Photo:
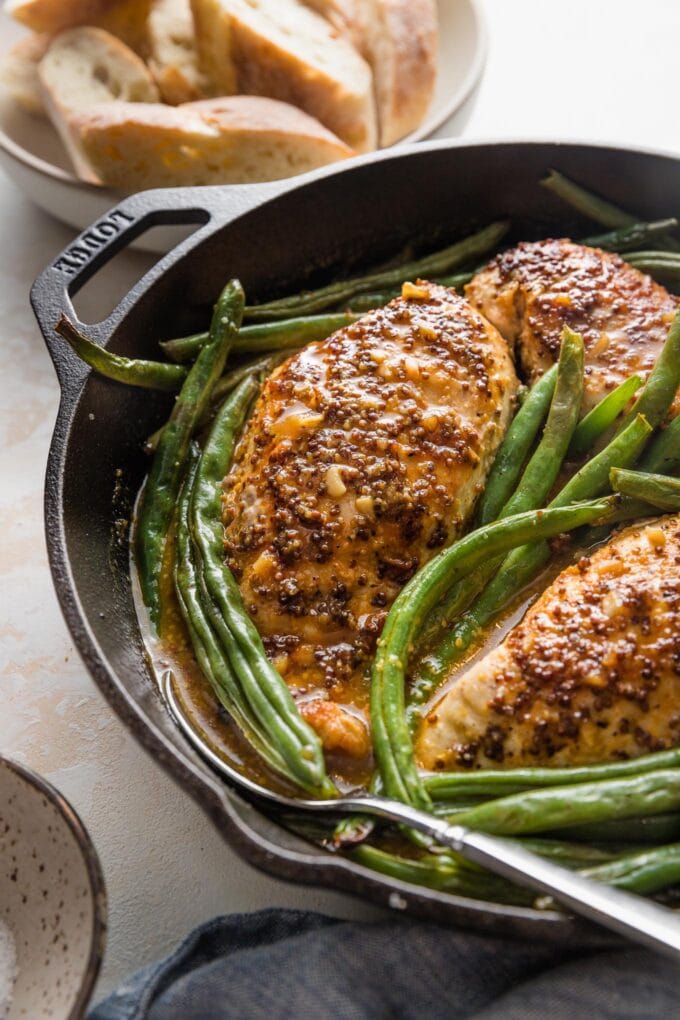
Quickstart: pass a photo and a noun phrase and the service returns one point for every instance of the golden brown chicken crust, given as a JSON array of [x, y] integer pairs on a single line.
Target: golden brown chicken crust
[[591, 674], [363, 457], [532, 291]]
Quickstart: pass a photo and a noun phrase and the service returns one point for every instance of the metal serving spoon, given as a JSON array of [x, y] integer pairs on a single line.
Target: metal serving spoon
[[636, 918]]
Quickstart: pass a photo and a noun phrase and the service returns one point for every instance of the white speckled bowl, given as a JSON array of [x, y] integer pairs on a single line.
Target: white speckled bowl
[[33, 157], [52, 898]]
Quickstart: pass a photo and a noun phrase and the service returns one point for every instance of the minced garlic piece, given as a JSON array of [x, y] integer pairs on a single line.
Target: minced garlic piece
[[426, 329], [364, 504], [412, 292], [412, 368], [656, 538], [335, 487]]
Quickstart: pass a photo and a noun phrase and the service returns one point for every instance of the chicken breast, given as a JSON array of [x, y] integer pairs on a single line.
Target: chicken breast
[[363, 457], [591, 674], [532, 291]]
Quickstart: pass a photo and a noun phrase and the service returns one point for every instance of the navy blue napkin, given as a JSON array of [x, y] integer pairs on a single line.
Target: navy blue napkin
[[290, 965]]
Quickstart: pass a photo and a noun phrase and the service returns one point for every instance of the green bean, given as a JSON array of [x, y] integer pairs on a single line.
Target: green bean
[[659, 490], [559, 391], [503, 477], [543, 467], [513, 451], [167, 468], [456, 281], [522, 565], [537, 480], [652, 829], [184, 348], [570, 855], [662, 383], [595, 207], [602, 417], [626, 238], [662, 456], [443, 872], [264, 688], [259, 368], [214, 665], [437, 264], [662, 262], [644, 872], [665, 273], [367, 302], [288, 334], [391, 736], [444, 786], [150, 375], [559, 808], [451, 606], [593, 478], [447, 872], [587, 203]]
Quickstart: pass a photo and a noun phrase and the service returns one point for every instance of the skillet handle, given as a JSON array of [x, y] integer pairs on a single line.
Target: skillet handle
[[52, 292]]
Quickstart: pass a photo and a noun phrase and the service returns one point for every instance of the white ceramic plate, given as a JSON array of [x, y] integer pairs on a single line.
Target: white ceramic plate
[[32, 155]]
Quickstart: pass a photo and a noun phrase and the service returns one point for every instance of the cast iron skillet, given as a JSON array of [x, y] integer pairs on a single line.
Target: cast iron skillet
[[277, 238]]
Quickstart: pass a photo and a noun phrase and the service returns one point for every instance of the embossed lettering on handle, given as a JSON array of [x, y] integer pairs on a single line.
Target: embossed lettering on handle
[[91, 242]]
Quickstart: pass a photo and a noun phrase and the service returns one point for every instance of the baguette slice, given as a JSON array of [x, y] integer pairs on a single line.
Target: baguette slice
[[399, 39], [85, 67], [232, 140], [19, 72], [173, 52], [125, 19], [281, 49], [344, 15]]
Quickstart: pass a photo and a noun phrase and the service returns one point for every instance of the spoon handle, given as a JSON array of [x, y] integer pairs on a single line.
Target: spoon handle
[[636, 918]]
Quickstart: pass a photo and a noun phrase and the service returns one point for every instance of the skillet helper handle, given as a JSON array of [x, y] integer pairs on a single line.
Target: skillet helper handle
[[117, 229], [51, 294], [634, 917]]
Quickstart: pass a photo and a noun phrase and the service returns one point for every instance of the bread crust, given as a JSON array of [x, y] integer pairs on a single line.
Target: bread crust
[[126, 19], [234, 139], [85, 68], [288, 52], [399, 39], [406, 74], [173, 52], [19, 72]]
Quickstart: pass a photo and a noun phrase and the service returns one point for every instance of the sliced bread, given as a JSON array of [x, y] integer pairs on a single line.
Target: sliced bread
[[173, 53], [344, 16], [125, 19], [54, 15], [281, 49], [232, 140], [401, 42], [19, 72], [399, 39], [85, 67]]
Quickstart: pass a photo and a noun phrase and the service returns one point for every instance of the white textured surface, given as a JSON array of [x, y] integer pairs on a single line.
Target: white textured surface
[[8, 964], [599, 71]]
